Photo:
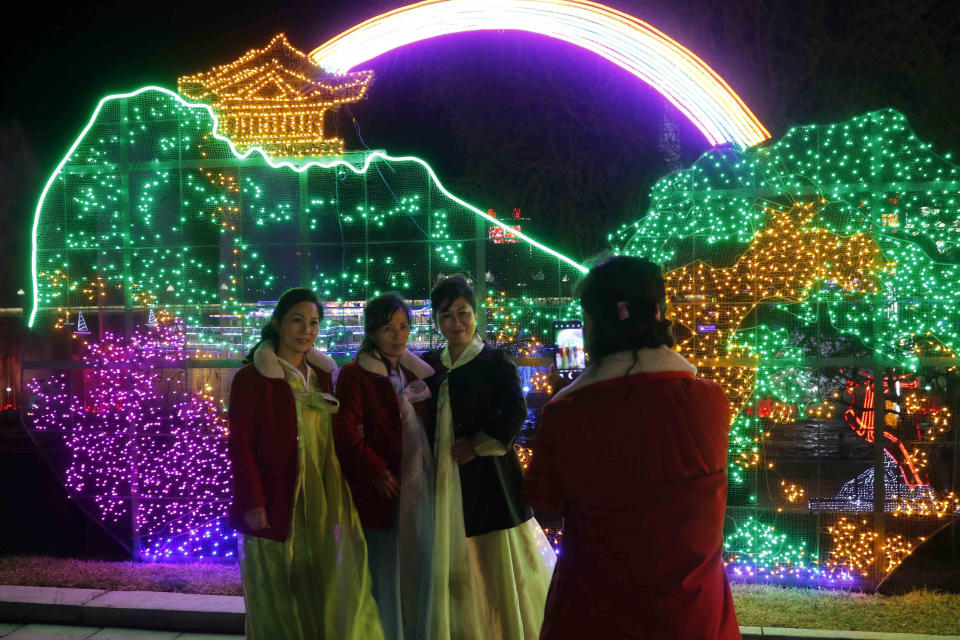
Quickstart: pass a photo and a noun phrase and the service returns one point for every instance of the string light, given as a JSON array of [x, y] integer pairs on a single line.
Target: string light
[[836, 242], [144, 443], [635, 46], [854, 548], [524, 454], [276, 98], [203, 238]]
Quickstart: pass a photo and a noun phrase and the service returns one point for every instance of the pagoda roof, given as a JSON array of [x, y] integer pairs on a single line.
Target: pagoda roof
[[278, 72]]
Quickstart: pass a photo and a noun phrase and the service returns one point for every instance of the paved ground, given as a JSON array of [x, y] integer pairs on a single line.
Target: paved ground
[[62, 632], [48, 613]]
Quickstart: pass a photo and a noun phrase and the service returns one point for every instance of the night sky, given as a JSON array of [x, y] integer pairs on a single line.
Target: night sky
[[506, 119]]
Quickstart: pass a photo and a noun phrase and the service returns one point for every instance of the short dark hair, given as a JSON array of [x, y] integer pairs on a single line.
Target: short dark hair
[[377, 313], [288, 299], [637, 282], [449, 290]]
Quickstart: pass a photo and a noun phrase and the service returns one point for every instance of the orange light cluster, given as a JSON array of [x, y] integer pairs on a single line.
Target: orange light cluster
[[525, 454], [785, 261], [541, 382], [791, 492], [930, 506], [531, 348], [854, 544], [276, 98]]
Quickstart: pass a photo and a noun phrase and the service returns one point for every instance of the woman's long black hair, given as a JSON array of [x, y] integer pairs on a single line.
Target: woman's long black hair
[[638, 283], [377, 313], [288, 299]]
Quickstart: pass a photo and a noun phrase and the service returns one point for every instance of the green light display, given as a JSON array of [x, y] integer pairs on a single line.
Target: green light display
[[152, 208]]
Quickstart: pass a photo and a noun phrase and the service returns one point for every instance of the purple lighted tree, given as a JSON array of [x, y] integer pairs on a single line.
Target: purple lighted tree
[[143, 447]]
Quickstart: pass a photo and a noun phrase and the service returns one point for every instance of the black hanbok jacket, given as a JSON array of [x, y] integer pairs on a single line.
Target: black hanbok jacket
[[485, 395]]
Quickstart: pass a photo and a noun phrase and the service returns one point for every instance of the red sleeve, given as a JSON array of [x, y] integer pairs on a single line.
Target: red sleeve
[[359, 462], [542, 486], [324, 381], [246, 415]]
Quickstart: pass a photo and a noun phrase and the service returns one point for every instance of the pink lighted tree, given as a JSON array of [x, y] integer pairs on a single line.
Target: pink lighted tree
[[145, 449]]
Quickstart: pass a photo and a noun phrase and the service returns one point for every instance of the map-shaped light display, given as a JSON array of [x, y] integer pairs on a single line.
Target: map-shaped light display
[[153, 214], [795, 272]]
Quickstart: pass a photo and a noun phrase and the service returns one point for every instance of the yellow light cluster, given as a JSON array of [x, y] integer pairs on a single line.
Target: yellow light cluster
[[854, 543], [791, 492], [853, 546], [541, 382], [823, 410], [930, 506], [531, 348], [782, 412], [784, 261], [525, 454], [941, 423], [276, 98], [895, 549]]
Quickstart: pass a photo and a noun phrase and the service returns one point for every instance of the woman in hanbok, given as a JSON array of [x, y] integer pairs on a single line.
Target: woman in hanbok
[[383, 448], [492, 563], [303, 558], [633, 454]]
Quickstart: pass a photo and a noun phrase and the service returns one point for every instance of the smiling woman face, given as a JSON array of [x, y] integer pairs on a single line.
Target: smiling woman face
[[457, 323], [298, 331], [391, 338]]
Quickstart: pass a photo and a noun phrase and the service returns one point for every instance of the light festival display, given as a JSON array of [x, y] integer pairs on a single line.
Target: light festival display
[[653, 57], [146, 442], [796, 271], [154, 213]]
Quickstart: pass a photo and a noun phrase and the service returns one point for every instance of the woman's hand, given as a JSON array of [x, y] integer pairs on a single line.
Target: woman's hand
[[386, 485], [463, 450], [256, 518]]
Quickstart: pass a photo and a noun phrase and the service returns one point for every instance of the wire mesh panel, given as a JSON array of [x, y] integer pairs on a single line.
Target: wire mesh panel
[[159, 254], [816, 279]]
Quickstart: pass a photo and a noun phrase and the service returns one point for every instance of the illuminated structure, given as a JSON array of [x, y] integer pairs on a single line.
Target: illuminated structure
[[810, 278], [628, 42], [275, 98], [147, 453], [800, 274], [171, 221]]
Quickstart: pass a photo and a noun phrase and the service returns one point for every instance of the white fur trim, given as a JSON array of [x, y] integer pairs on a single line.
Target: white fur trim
[[268, 364], [617, 365], [409, 360]]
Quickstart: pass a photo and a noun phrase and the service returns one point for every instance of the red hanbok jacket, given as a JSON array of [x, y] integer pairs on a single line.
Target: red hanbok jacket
[[367, 398], [263, 439], [636, 464]]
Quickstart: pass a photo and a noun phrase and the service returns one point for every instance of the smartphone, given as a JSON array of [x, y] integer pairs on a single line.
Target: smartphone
[[569, 354]]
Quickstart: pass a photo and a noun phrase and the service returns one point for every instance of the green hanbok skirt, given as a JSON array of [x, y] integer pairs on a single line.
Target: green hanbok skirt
[[316, 584]]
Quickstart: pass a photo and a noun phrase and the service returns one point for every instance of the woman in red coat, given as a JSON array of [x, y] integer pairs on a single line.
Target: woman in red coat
[[303, 556], [633, 454], [386, 459]]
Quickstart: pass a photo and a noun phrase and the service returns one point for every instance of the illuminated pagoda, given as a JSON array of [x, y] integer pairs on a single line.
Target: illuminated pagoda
[[276, 98]]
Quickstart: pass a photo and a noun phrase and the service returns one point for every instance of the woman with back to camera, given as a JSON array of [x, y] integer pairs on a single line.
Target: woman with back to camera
[[633, 454], [303, 558], [386, 458], [492, 563]]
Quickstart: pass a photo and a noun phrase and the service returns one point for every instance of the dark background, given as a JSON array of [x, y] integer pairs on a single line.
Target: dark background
[[506, 119]]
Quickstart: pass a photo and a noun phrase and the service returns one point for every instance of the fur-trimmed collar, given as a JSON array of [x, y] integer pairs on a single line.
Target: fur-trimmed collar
[[268, 364], [408, 361], [617, 365]]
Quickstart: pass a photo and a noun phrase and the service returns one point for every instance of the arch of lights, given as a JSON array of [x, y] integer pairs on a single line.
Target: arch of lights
[[628, 42]]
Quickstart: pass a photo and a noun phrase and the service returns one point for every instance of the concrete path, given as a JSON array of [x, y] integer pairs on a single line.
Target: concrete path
[[62, 632], [177, 612], [49, 613]]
